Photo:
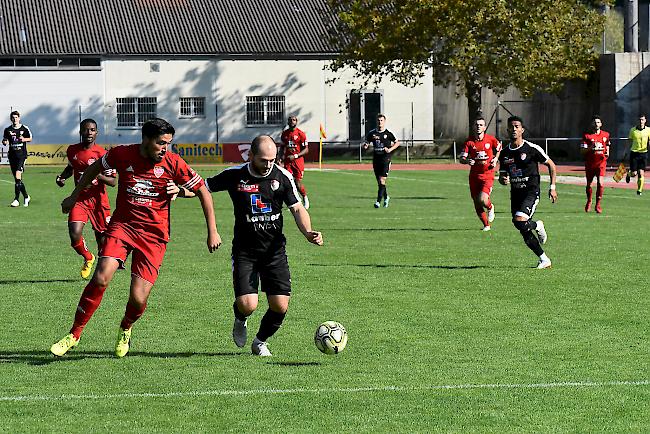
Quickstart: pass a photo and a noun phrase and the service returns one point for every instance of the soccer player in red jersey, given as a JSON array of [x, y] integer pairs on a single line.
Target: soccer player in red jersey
[[295, 147], [595, 148], [481, 152], [92, 203], [147, 180]]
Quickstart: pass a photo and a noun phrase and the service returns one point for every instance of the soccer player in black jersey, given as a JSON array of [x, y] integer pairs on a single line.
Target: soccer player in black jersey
[[258, 189], [518, 166], [17, 136], [383, 143]]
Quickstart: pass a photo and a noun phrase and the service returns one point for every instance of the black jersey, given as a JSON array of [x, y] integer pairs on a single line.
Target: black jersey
[[521, 165], [257, 203], [17, 148], [379, 141]]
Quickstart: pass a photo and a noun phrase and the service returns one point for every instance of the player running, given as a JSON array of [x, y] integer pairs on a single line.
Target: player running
[[383, 143], [258, 190], [518, 166], [147, 180], [639, 137], [595, 148], [16, 136], [92, 204], [295, 147], [481, 152]]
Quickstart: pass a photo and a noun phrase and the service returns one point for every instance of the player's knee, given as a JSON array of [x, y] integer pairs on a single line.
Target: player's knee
[[247, 306], [521, 225], [19, 183]]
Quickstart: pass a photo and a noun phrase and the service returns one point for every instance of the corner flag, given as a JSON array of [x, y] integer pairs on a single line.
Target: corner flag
[[320, 151], [620, 172]]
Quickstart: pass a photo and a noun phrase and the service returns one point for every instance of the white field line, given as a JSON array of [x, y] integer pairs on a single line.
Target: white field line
[[370, 389], [8, 182]]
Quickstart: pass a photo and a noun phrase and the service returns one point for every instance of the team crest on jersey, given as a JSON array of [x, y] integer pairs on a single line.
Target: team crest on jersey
[[385, 136], [91, 161], [275, 184], [158, 171], [523, 155], [295, 137], [487, 146]]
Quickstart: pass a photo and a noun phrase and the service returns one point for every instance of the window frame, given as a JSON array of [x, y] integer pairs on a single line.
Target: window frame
[[195, 102], [139, 116], [270, 110]]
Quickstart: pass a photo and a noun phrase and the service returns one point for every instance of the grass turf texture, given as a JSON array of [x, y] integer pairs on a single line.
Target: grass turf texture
[[427, 298]]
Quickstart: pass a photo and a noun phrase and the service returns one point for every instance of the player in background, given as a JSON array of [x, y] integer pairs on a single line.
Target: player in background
[[92, 204], [481, 152], [383, 143], [519, 167], [147, 178], [638, 136], [258, 189], [16, 136], [295, 147], [595, 148]]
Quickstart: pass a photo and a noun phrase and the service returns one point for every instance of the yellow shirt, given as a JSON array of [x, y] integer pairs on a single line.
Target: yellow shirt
[[639, 139]]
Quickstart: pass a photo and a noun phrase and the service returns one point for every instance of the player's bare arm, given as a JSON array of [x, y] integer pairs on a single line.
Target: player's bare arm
[[464, 159], [67, 173], [495, 160], [392, 147], [303, 221], [302, 153], [552, 173], [86, 179], [109, 180], [214, 239]]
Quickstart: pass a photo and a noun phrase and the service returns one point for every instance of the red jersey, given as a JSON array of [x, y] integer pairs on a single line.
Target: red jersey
[[80, 158], [294, 141], [597, 146], [142, 200], [482, 152]]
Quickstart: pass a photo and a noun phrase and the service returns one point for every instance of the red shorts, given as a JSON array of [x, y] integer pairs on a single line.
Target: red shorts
[[592, 171], [295, 167], [481, 184], [147, 255], [98, 214]]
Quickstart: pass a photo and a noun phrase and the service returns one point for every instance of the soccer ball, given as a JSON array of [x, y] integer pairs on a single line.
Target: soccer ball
[[331, 337]]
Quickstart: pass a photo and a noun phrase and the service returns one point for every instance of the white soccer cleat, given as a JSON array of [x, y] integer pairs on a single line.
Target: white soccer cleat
[[386, 201], [27, 199], [491, 214], [306, 202], [377, 204], [239, 332], [486, 228], [541, 232], [543, 263], [14, 204], [259, 348]]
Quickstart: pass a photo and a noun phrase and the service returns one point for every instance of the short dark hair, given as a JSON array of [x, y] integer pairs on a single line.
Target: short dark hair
[[15, 112], [642, 115], [156, 127], [381, 115], [479, 118], [515, 119], [594, 117], [87, 121]]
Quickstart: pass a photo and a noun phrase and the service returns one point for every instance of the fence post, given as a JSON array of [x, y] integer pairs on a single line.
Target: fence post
[[455, 161]]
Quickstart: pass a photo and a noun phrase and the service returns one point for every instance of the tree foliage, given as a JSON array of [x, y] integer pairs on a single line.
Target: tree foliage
[[530, 44]]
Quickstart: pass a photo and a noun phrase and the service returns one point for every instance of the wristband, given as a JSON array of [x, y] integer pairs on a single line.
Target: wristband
[[551, 187]]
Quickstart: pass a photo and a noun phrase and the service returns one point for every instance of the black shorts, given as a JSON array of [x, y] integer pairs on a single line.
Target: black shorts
[[638, 160], [381, 167], [272, 269], [524, 202], [17, 164]]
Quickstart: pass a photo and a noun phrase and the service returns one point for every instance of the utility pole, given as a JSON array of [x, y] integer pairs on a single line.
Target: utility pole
[[631, 24]]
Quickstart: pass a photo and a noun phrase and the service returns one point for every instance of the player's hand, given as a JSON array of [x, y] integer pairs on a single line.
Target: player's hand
[[60, 181], [67, 204], [214, 241], [315, 238], [172, 189], [552, 194], [5, 141], [493, 163], [504, 180], [471, 162], [365, 146]]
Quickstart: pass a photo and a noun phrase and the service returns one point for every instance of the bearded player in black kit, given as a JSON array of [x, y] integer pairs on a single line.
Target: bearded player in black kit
[[383, 143], [518, 166], [258, 189]]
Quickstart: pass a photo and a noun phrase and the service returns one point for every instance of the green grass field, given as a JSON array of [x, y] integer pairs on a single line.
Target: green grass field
[[450, 329]]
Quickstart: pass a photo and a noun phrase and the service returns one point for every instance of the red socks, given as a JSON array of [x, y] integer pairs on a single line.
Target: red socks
[[88, 304], [482, 215], [132, 314], [589, 193], [82, 249]]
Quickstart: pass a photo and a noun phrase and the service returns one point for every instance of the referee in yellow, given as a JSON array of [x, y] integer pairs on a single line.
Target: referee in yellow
[[639, 136]]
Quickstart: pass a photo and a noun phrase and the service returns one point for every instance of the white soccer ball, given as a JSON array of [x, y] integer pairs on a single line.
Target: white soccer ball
[[331, 337]]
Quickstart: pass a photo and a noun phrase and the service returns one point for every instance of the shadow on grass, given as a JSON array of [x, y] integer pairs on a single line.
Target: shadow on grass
[[295, 363], [395, 198], [401, 229], [39, 358], [12, 281], [437, 267]]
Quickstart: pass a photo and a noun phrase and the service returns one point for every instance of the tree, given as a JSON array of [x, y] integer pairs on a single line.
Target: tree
[[534, 45]]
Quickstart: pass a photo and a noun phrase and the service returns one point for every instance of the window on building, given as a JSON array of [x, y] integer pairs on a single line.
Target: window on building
[[135, 111], [264, 110], [192, 107]]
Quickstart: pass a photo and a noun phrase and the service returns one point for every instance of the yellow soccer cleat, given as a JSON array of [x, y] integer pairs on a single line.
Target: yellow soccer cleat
[[123, 342], [64, 345], [87, 268]]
